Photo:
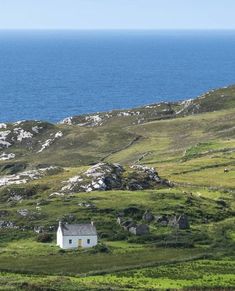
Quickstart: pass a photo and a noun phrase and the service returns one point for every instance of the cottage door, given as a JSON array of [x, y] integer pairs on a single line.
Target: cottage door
[[79, 243]]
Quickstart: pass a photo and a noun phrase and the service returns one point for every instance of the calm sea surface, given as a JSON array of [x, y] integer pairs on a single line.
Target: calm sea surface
[[52, 75]]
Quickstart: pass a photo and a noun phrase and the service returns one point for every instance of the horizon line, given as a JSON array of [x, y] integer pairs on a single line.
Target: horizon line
[[117, 29]]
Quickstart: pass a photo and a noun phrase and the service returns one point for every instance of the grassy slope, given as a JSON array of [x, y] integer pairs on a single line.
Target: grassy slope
[[192, 151]]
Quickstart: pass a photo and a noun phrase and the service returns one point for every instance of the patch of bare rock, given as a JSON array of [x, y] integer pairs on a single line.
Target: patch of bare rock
[[26, 176]]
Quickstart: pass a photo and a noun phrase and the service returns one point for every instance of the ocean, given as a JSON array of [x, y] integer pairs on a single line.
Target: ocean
[[49, 75]]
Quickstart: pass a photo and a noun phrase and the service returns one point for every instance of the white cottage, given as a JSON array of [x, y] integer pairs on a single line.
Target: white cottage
[[71, 236]]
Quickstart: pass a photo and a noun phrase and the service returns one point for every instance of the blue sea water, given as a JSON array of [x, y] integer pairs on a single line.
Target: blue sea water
[[50, 75]]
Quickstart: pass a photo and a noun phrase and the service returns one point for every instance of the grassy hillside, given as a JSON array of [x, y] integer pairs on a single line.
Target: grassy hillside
[[191, 144]]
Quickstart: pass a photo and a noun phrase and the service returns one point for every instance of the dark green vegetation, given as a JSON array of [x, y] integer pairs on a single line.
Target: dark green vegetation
[[191, 144]]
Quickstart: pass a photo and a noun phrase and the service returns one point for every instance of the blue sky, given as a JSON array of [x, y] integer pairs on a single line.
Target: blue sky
[[117, 14]]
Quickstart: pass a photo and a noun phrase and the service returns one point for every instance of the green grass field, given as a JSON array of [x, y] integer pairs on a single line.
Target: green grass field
[[191, 150]]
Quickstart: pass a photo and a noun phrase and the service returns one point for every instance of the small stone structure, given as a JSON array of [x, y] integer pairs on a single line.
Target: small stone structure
[[148, 216], [140, 229], [132, 227], [180, 222], [162, 220]]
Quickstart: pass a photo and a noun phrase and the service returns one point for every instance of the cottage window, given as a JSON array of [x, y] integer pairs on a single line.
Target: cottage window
[[88, 241], [70, 241]]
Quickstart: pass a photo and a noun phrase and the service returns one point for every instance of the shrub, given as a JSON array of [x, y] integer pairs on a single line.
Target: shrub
[[142, 239], [114, 236], [44, 237], [12, 168], [26, 191], [134, 212], [100, 248]]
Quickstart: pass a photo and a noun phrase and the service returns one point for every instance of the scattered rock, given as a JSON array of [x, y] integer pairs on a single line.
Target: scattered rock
[[5, 157], [26, 176], [67, 120], [56, 194], [7, 224], [85, 204], [15, 198], [59, 134], [22, 134], [23, 212], [4, 143]]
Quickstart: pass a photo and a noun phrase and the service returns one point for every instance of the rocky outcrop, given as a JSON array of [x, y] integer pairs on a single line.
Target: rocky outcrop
[[105, 176], [100, 177], [20, 132], [27, 176], [4, 156], [47, 143]]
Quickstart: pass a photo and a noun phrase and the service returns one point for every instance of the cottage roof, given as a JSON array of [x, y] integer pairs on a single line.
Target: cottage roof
[[78, 229]]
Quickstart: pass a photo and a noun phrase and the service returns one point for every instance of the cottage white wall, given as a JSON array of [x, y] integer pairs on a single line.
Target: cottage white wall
[[64, 242], [59, 237]]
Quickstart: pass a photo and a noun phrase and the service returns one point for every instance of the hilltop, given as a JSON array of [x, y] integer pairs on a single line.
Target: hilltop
[[86, 139], [169, 159]]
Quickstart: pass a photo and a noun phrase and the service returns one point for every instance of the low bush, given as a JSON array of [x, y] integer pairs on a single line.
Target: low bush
[[12, 168], [134, 212], [100, 248], [44, 237]]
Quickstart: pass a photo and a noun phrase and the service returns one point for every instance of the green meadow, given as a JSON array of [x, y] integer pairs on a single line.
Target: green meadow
[[195, 151]]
